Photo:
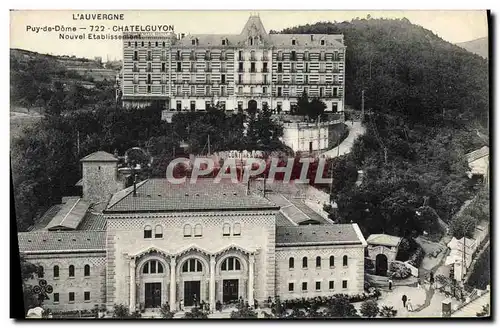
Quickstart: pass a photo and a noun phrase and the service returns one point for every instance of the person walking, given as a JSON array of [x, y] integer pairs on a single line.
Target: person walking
[[390, 284], [409, 306], [404, 299], [431, 279]]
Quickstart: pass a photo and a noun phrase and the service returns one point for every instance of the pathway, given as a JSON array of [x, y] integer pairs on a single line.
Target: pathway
[[345, 146]]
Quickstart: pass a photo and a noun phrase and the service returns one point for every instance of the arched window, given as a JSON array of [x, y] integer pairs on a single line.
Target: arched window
[[71, 270], [304, 262], [192, 265], [318, 261], [226, 229], [152, 267], [344, 260], [231, 264], [237, 229], [86, 270], [332, 261], [56, 271], [291, 263], [148, 232], [187, 230], [158, 231], [198, 232]]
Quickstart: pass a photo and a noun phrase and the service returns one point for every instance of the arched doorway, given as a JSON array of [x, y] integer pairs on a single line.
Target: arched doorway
[[152, 276], [193, 278], [252, 107], [381, 265]]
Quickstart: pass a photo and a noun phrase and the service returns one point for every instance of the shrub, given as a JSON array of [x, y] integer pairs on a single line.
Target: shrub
[[165, 311], [369, 309], [388, 312], [400, 271], [417, 257], [120, 311]]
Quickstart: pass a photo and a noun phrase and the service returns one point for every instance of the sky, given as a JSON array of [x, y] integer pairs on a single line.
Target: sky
[[451, 25]]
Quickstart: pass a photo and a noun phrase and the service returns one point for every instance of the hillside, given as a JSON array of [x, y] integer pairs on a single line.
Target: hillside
[[426, 97], [478, 46]]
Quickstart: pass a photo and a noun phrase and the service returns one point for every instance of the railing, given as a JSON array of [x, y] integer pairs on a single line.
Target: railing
[[208, 70], [241, 70], [207, 58], [252, 58], [240, 58], [265, 70], [163, 58]]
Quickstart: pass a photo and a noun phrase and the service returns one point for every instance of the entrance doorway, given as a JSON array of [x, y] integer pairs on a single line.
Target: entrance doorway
[[191, 292], [229, 290], [310, 146], [152, 294], [381, 265]]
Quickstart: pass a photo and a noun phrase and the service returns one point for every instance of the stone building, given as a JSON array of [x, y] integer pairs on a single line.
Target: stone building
[[246, 70], [160, 242], [382, 250]]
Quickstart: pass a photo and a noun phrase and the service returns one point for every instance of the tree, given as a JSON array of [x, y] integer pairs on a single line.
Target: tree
[[303, 104], [243, 312], [28, 272], [316, 108], [369, 309], [340, 307], [388, 312]]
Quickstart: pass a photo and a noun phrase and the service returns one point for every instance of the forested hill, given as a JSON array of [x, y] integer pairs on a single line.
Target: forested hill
[[413, 71]]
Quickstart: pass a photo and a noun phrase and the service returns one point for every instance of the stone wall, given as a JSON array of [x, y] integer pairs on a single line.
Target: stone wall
[[353, 272], [95, 283]]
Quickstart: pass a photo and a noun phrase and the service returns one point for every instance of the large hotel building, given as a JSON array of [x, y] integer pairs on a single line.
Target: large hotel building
[[235, 71]]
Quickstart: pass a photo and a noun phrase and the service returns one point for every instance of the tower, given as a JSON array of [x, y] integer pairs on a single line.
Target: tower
[[99, 177]]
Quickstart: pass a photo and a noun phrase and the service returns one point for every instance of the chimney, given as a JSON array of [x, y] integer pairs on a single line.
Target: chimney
[[135, 185]]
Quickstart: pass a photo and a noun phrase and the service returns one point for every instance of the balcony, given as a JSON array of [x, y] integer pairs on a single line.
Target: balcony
[[240, 58], [241, 70], [253, 70], [252, 58], [207, 57], [265, 70]]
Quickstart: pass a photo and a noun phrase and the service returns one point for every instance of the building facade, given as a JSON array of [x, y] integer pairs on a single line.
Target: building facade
[[250, 69], [156, 242]]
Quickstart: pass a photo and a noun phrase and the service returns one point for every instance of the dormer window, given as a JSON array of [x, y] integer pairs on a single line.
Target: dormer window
[[193, 42], [322, 42], [223, 42]]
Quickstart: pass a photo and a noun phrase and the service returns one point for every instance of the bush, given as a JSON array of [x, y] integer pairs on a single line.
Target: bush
[[417, 257], [388, 312], [369, 309], [400, 271], [165, 311]]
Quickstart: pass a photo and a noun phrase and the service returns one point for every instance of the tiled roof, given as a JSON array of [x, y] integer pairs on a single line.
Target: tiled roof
[[477, 154], [41, 223], [159, 195], [99, 156], [317, 234], [254, 26], [47, 241], [383, 239], [93, 221], [281, 220], [70, 215], [311, 214]]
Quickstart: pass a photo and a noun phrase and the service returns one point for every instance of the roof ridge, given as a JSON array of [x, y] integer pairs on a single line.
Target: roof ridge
[[127, 194]]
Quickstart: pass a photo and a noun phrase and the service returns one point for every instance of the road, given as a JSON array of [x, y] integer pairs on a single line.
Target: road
[[355, 129]]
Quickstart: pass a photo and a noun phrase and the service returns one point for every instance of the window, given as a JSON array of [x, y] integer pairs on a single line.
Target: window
[[290, 287], [142, 44], [222, 91], [135, 44], [291, 263], [293, 42], [150, 56], [178, 67], [148, 232], [264, 67], [178, 105], [237, 229], [86, 270], [207, 90], [240, 103], [322, 42], [252, 67], [207, 105], [193, 42], [251, 90], [152, 267], [332, 261], [223, 103], [56, 297], [279, 107], [136, 55], [56, 271], [197, 230], [231, 264], [193, 90], [163, 66], [86, 296], [187, 230], [304, 262], [318, 285], [71, 270], [344, 283], [279, 91], [226, 229], [158, 231], [149, 79], [264, 90], [293, 55], [318, 262], [223, 42], [331, 285], [304, 286], [71, 296], [192, 265], [280, 67], [344, 260], [223, 78]]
